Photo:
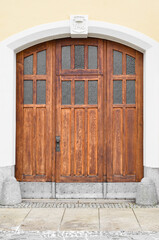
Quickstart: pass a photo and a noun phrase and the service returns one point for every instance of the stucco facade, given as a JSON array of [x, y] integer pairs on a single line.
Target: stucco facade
[[24, 24]]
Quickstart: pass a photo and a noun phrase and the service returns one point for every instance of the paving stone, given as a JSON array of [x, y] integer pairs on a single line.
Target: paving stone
[[148, 218], [118, 219], [11, 219], [42, 220], [80, 220]]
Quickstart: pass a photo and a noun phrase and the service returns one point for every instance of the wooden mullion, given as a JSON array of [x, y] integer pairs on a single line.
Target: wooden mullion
[[86, 57], [34, 63], [34, 91], [86, 92], [72, 57]]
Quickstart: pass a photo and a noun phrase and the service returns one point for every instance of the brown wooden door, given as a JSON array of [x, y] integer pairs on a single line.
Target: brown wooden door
[[124, 113], [34, 111], [79, 112], [88, 92]]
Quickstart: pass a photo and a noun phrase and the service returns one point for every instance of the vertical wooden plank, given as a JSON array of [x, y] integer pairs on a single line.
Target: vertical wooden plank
[[53, 108], [19, 116], [100, 56], [40, 141], [50, 111], [105, 136], [79, 141], [131, 140], [72, 142], [117, 141], [58, 126], [109, 99], [100, 129], [72, 150], [86, 143], [139, 98], [92, 141], [65, 142], [86, 57], [28, 142]]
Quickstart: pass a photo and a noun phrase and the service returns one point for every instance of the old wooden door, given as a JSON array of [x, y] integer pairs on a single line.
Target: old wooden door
[[79, 114], [79, 111], [124, 117], [34, 107]]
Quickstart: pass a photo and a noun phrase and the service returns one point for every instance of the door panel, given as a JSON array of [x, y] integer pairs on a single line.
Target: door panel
[[80, 128], [124, 110], [34, 114]]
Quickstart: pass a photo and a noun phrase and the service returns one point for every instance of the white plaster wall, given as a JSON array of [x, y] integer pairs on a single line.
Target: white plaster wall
[[46, 32]]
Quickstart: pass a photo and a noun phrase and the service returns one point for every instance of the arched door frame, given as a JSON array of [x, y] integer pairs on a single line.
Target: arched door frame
[[97, 29]]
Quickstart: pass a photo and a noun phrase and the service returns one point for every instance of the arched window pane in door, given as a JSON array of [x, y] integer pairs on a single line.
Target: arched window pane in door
[[130, 65], [28, 65]]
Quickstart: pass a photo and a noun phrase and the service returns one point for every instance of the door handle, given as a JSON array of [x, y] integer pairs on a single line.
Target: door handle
[[57, 143]]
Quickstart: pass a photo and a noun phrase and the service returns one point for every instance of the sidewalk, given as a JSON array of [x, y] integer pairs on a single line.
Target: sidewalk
[[125, 221]]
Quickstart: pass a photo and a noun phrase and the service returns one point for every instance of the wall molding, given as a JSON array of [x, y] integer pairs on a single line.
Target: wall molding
[[97, 29]]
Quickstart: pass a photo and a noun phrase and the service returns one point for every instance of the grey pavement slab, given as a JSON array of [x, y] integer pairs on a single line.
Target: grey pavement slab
[[80, 219], [148, 218], [11, 219], [43, 219], [118, 220]]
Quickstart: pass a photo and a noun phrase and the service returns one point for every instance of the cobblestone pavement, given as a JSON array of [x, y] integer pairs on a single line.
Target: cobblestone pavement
[[77, 204], [79, 235]]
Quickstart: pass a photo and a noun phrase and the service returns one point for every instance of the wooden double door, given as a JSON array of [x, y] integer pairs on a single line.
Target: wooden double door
[[79, 112]]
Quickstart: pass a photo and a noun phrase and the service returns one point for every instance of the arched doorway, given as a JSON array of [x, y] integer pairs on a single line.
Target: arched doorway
[[79, 112]]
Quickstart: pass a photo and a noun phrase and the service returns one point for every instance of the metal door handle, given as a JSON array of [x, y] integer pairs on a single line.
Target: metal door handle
[[57, 143]]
